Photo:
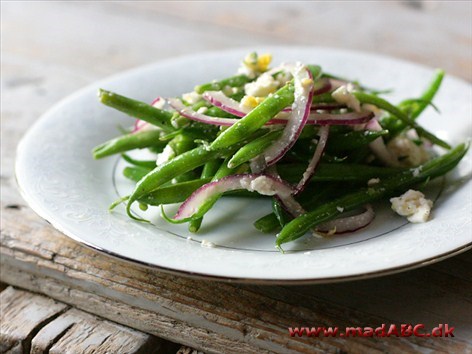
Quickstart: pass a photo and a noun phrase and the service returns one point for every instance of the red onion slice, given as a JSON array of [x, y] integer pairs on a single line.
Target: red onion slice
[[348, 223], [140, 124], [262, 184], [322, 86], [378, 146], [189, 113], [313, 119], [227, 104], [300, 111], [351, 118], [315, 160]]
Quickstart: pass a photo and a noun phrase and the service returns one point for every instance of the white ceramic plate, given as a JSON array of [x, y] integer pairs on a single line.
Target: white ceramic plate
[[63, 184]]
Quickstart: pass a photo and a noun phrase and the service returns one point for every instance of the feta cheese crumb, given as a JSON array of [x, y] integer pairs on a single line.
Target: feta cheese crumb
[[261, 184], [191, 97], [340, 209], [202, 110], [264, 85], [344, 95], [207, 244], [407, 152], [373, 181], [189, 238], [167, 154], [413, 205], [160, 103], [416, 171]]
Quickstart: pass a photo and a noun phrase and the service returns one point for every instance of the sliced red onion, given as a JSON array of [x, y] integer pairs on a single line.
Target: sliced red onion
[[140, 124], [227, 104], [300, 111], [351, 118], [326, 106], [336, 83], [378, 146], [189, 113], [262, 184], [315, 160], [313, 119], [348, 223], [322, 86]]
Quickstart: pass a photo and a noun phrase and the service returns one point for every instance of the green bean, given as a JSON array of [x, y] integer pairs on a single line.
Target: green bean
[[234, 81], [174, 193], [209, 171], [210, 168], [167, 171], [324, 98], [279, 212], [353, 140], [253, 148], [315, 70], [148, 164], [223, 171], [255, 119], [137, 109], [313, 198], [135, 173], [267, 224], [401, 181], [331, 172], [414, 107], [138, 140], [181, 143], [387, 106]]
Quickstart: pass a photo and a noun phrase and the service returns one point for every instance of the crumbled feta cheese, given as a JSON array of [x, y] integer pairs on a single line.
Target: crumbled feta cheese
[[191, 97], [160, 103], [189, 238], [373, 181], [283, 77], [207, 244], [344, 95], [261, 87], [407, 152], [340, 209], [413, 205], [167, 154], [261, 184], [202, 110], [416, 171]]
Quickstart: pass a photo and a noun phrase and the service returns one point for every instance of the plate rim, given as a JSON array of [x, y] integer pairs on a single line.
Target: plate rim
[[205, 276]]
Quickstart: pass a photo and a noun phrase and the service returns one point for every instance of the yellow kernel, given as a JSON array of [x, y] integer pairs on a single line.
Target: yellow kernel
[[307, 82]]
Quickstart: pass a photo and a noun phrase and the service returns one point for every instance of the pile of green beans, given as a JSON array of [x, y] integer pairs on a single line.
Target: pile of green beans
[[203, 153]]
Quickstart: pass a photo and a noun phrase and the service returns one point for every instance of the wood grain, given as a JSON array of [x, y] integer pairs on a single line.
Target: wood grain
[[36, 324], [45, 58]]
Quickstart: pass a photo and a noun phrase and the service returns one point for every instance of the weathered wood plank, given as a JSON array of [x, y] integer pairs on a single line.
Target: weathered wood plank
[[84, 333], [32, 323], [16, 328]]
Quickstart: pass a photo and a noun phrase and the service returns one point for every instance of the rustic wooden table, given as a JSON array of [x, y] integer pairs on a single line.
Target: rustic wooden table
[[51, 49]]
